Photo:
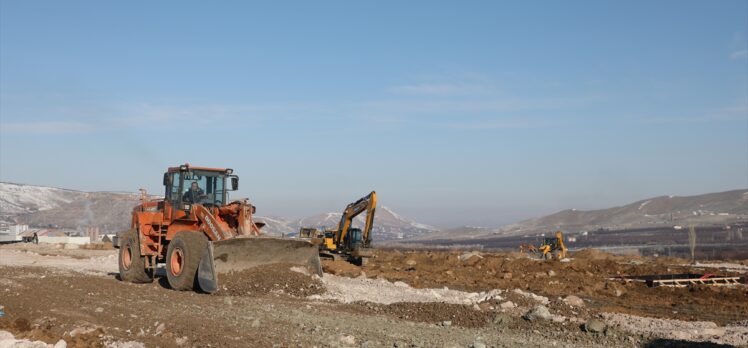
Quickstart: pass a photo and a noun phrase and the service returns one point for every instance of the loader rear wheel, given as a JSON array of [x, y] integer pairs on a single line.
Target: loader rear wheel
[[182, 259], [131, 263]]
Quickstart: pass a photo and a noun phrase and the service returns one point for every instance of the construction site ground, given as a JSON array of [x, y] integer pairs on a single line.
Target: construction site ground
[[50, 294]]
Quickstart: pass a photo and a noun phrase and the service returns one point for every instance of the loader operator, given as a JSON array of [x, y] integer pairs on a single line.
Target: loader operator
[[193, 194]]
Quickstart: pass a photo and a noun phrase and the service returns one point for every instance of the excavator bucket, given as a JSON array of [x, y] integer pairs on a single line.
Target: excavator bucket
[[238, 254]]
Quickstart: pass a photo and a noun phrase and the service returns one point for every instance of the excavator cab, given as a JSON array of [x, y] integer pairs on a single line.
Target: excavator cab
[[552, 242], [353, 238]]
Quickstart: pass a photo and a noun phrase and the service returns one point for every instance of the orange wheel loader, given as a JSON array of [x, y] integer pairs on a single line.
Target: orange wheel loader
[[198, 234]]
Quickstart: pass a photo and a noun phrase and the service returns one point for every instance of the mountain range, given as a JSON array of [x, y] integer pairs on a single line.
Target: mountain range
[[41, 206], [720, 208]]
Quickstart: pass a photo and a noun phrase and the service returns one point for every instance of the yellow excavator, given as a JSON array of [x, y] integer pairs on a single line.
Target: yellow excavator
[[553, 247], [346, 242]]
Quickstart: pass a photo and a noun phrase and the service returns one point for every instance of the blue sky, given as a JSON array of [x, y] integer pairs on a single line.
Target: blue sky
[[457, 113]]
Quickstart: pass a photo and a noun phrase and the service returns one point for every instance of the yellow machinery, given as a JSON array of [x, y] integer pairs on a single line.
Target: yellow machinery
[[325, 239], [308, 233], [553, 247], [346, 242]]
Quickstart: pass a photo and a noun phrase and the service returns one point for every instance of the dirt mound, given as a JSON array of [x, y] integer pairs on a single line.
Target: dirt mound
[[272, 278], [341, 268]]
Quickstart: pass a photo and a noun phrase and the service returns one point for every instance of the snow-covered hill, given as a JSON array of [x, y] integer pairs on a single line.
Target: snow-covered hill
[[42, 206], [277, 225], [387, 224], [21, 199]]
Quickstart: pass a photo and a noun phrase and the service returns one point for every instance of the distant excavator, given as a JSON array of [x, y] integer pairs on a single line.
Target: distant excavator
[[346, 242], [553, 248]]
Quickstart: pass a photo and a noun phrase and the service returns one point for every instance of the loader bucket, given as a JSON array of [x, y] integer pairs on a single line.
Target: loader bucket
[[238, 254]]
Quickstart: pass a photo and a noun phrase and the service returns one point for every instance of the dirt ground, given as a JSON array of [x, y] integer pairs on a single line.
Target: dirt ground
[[585, 275], [49, 293]]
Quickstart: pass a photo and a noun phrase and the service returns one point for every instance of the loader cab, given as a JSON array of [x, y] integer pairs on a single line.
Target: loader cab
[[211, 185], [552, 242]]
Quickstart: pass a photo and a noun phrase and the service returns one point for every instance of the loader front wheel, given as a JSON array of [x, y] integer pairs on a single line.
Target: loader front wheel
[[131, 263], [182, 259]]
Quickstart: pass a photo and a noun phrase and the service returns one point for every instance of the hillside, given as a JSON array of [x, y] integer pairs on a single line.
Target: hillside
[[707, 209], [106, 210], [387, 224], [711, 208], [41, 206], [20, 199]]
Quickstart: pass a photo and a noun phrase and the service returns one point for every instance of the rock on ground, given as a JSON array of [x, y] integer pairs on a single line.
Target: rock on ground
[[574, 301], [538, 312], [594, 326]]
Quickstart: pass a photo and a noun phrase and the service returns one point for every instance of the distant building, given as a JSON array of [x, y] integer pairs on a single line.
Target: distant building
[[18, 229], [13, 233], [93, 233]]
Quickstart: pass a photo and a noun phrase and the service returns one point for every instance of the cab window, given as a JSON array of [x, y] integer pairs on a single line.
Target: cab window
[[172, 188]]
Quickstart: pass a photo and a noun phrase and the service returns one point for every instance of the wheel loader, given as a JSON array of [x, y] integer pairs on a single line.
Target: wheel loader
[[197, 234]]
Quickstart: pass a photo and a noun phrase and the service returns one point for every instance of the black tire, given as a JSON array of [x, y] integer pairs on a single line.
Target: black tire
[[131, 263], [359, 261], [182, 259]]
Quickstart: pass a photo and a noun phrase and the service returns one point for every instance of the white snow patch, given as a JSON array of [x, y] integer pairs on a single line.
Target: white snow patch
[[348, 290], [423, 226], [643, 204], [18, 198], [392, 213]]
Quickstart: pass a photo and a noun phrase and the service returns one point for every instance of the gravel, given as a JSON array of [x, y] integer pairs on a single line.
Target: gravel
[[736, 334]]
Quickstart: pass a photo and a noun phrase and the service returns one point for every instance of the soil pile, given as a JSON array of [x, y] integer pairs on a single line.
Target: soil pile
[[266, 279]]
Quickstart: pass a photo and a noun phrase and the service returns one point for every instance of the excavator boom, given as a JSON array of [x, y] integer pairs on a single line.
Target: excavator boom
[[368, 204]]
